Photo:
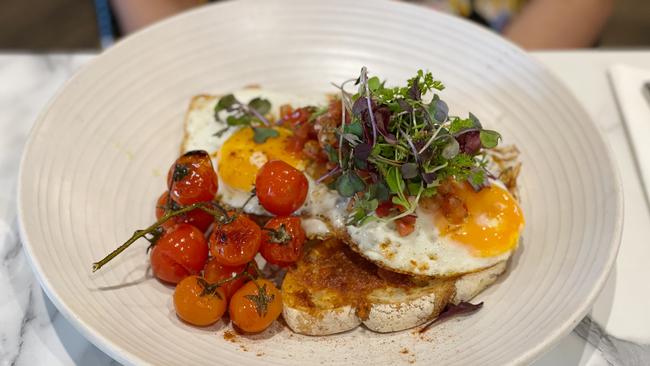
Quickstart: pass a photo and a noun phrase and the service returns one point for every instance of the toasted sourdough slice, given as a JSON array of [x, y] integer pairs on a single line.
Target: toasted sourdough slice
[[333, 289]]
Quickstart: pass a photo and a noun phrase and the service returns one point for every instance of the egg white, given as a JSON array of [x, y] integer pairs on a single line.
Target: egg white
[[424, 252]]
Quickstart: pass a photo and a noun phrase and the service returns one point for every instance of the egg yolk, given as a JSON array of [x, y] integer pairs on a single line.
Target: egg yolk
[[492, 222], [241, 157]]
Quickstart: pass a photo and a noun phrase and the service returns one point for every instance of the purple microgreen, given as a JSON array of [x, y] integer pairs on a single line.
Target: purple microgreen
[[364, 82], [469, 142], [403, 104], [329, 174], [429, 177], [409, 170], [451, 310], [359, 106], [362, 151], [414, 91], [382, 121]]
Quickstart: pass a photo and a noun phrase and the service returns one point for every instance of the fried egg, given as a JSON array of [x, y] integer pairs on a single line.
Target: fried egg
[[488, 235], [237, 158]]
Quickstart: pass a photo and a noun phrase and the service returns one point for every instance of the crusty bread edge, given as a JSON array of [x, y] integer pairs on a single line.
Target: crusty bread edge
[[391, 317]]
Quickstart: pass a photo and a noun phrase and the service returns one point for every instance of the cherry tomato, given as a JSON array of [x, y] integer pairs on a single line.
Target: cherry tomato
[[197, 217], [236, 242], [192, 178], [280, 188], [199, 303], [405, 225], [180, 252], [255, 306], [215, 271], [282, 240]]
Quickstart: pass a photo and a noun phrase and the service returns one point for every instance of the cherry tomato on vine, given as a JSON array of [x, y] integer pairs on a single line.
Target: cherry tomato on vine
[[215, 271], [235, 243], [197, 217], [281, 188], [282, 240], [199, 303], [192, 178], [181, 251], [255, 306]]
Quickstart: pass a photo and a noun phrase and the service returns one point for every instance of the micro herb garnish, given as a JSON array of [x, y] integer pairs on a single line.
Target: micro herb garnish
[[399, 143], [240, 114]]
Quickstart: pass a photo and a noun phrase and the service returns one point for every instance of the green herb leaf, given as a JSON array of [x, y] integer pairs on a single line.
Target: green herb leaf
[[476, 123], [243, 120], [261, 134], [332, 155], [354, 128], [379, 191], [489, 138], [394, 180], [374, 83], [262, 106], [226, 102], [451, 148], [459, 124], [349, 183]]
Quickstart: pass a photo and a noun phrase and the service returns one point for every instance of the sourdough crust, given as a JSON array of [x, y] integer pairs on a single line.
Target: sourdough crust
[[390, 309]]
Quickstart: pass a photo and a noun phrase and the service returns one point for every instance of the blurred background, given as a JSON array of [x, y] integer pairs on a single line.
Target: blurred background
[[63, 25]]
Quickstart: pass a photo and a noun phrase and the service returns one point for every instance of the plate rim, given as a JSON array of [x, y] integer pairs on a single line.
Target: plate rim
[[126, 357]]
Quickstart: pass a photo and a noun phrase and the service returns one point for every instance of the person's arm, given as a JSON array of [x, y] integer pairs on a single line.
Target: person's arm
[[559, 23], [135, 14]]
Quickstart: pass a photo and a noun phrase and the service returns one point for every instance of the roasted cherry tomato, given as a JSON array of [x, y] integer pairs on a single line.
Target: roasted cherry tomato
[[282, 240], [196, 217], [192, 178], [236, 242], [199, 303], [405, 225], [215, 271], [255, 306], [280, 188], [180, 252]]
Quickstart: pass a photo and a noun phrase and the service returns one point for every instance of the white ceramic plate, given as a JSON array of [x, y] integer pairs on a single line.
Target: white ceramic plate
[[95, 164]]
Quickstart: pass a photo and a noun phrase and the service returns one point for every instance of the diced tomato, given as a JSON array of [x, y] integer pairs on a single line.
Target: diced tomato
[[384, 208], [405, 225]]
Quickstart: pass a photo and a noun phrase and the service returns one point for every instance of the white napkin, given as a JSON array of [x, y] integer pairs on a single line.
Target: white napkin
[[623, 308]]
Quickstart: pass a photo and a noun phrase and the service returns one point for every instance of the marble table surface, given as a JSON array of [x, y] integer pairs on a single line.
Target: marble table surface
[[33, 332]]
